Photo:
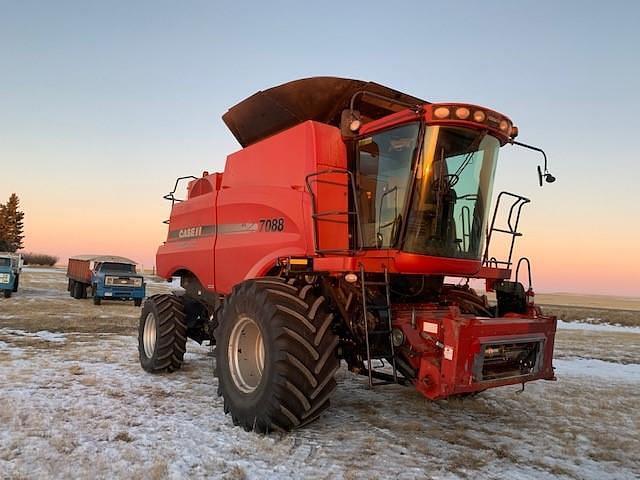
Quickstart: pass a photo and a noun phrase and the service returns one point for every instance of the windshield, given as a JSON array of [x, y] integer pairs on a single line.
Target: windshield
[[117, 267], [454, 181], [5, 262], [384, 162]]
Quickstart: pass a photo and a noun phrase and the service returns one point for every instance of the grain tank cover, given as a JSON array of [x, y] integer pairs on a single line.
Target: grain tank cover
[[321, 99]]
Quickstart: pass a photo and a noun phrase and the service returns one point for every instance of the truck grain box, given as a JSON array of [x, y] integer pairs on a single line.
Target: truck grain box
[[10, 268], [108, 277]]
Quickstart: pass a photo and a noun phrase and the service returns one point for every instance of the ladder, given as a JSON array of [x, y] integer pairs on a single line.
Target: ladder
[[366, 308], [513, 219]]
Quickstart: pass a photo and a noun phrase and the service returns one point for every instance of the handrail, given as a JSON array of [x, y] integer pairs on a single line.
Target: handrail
[[170, 196], [351, 186], [525, 259], [466, 226], [513, 220]]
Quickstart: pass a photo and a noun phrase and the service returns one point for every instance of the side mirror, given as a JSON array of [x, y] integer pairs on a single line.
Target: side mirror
[[350, 123], [539, 175], [547, 176]]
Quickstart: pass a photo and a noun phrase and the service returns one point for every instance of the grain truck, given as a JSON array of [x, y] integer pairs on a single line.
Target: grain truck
[[10, 268], [106, 277]]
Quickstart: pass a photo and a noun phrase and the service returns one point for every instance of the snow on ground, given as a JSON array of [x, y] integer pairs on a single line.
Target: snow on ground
[[31, 269], [597, 327], [157, 282], [80, 406], [43, 334], [595, 368]]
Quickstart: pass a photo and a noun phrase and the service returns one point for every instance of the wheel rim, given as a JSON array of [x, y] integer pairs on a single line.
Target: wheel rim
[[246, 354], [149, 335]]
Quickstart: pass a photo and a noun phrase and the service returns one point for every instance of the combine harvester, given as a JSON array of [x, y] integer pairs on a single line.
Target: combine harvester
[[329, 237]]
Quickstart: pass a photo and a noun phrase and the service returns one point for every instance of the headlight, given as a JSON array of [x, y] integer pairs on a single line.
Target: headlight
[[397, 337], [479, 116], [463, 113], [441, 112], [109, 280], [4, 278], [137, 282]]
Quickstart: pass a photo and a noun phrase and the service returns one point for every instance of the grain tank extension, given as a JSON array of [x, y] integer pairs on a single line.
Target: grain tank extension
[[333, 236]]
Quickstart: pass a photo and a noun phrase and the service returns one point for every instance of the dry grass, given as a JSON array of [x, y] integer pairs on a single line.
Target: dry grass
[[123, 437], [620, 347], [76, 370], [39, 259], [628, 318], [589, 301], [43, 303], [235, 473]]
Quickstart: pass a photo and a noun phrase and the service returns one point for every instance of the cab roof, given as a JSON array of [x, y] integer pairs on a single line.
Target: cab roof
[[321, 99]]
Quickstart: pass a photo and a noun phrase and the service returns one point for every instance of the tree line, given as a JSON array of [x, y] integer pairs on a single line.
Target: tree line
[[11, 225]]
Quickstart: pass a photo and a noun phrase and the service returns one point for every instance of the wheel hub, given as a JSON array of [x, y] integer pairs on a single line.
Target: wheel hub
[[149, 335], [246, 354]]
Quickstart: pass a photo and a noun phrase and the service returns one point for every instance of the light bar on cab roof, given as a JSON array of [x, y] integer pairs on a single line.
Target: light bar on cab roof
[[470, 113]]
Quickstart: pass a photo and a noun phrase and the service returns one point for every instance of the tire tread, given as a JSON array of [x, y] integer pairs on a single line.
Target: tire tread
[[171, 330], [307, 360]]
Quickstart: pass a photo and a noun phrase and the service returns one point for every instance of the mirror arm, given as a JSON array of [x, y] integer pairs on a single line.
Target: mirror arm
[[546, 175]]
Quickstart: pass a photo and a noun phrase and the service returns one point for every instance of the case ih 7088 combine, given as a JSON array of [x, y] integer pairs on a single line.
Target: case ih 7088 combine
[[329, 237]]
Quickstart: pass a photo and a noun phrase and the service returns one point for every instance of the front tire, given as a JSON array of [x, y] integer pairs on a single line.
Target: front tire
[[137, 302], [7, 293], [276, 355], [162, 334], [16, 283]]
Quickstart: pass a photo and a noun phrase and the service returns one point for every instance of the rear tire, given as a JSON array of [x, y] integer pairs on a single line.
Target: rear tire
[[97, 300], [16, 283], [162, 334], [7, 293], [276, 355], [137, 302], [78, 288]]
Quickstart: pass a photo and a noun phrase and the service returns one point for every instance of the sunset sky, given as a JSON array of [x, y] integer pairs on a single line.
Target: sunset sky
[[104, 104]]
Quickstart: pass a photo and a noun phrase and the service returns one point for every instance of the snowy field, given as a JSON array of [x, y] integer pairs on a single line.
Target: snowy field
[[74, 403]]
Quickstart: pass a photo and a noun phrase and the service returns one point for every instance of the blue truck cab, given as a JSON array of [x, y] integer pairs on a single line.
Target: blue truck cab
[[10, 268], [108, 278]]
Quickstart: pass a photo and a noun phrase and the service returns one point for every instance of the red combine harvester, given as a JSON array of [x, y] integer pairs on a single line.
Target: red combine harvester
[[332, 235]]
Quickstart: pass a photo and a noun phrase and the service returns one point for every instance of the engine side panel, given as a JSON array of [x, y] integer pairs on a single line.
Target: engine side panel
[[264, 211]]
